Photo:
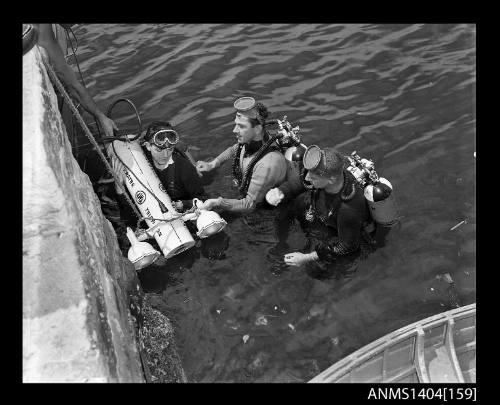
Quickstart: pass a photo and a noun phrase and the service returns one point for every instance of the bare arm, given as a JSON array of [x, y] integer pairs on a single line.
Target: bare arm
[[267, 173], [202, 166], [47, 40]]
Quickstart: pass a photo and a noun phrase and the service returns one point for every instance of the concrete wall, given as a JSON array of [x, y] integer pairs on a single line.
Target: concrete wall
[[76, 321]]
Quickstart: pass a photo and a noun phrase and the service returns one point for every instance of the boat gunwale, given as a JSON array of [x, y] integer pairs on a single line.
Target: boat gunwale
[[345, 365]]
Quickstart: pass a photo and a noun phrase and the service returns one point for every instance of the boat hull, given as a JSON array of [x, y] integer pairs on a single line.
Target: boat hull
[[438, 349]]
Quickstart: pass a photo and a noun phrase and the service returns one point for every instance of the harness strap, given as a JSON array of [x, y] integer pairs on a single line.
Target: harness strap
[[246, 177]]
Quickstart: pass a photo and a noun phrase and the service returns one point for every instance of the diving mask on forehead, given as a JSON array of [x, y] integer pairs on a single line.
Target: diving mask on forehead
[[244, 103], [165, 138], [246, 107]]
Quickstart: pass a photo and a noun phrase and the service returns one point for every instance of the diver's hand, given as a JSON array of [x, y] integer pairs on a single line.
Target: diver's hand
[[107, 124], [298, 259], [274, 196], [171, 215], [202, 166], [200, 174], [208, 204], [178, 205]]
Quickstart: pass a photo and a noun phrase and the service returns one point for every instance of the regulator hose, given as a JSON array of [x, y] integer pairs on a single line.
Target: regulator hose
[[245, 181]]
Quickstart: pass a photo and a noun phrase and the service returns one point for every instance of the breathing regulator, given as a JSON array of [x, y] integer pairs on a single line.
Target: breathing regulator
[[289, 140], [377, 190]]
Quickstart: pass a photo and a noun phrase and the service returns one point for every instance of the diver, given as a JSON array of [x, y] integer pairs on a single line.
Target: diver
[[257, 166], [174, 169], [334, 209]]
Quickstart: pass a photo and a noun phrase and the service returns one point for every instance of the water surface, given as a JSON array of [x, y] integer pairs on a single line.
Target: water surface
[[402, 95]]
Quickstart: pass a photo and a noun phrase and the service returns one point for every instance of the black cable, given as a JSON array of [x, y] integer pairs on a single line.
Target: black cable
[[74, 36], [121, 137], [74, 52]]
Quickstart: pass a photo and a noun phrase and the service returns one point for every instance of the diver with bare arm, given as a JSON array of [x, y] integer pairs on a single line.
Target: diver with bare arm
[[257, 166]]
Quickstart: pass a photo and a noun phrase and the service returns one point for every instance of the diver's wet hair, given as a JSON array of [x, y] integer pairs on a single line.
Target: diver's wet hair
[[154, 127], [262, 112]]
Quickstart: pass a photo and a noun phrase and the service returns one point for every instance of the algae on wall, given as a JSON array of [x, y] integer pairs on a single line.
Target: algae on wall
[[159, 344]]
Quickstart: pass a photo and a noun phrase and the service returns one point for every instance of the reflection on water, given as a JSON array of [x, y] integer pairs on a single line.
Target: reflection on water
[[402, 95]]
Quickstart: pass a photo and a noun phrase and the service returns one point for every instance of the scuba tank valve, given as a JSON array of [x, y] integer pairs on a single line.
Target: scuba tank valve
[[377, 190], [289, 141]]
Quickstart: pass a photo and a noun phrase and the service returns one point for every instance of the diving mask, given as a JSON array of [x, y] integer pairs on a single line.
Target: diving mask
[[165, 138], [244, 103], [246, 106], [312, 158], [324, 162]]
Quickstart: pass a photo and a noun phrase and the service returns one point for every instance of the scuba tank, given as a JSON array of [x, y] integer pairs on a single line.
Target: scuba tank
[[377, 190]]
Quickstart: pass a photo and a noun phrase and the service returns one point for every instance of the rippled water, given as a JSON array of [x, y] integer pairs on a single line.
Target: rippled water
[[402, 95]]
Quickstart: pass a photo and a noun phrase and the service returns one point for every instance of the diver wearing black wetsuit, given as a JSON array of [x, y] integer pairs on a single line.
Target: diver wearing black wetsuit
[[334, 212], [336, 220]]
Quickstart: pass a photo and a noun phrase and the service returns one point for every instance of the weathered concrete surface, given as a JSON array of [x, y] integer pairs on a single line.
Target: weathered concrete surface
[[77, 325]]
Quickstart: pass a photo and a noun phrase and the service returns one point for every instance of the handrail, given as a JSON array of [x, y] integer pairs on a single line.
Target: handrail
[[384, 365], [338, 369], [422, 373], [450, 346], [402, 374]]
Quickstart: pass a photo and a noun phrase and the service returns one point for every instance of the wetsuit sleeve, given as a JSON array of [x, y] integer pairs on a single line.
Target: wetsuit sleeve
[[349, 223], [268, 172], [293, 185], [191, 182], [229, 153]]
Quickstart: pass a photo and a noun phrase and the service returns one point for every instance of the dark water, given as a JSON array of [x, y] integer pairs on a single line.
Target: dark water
[[402, 95]]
